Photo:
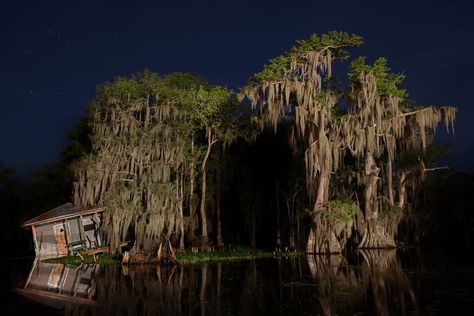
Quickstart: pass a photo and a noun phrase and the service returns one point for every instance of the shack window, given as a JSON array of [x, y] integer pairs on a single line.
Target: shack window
[[89, 227]]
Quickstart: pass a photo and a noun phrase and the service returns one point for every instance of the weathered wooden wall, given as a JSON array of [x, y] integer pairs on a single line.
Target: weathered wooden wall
[[46, 240]]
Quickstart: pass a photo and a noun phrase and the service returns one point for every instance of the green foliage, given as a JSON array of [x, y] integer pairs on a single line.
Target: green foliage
[[239, 253], [183, 81], [121, 88], [177, 86], [110, 258], [277, 67], [322, 96], [335, 40], [217, 109], [208, 105], [337, 113], [387, 82], [339, 210], [147, 80], [137, 86], [273, 71]]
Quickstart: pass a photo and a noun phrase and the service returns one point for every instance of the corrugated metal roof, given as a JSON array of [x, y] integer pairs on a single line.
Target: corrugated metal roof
[[61, 212]]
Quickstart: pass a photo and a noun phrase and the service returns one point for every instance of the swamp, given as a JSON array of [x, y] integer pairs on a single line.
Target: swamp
[[369, 282], [319, 186]]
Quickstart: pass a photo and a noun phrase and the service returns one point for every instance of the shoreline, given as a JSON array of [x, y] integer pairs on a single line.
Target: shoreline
[[183, 258]]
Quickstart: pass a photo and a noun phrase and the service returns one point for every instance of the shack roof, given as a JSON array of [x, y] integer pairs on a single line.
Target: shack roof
[[54, 300], [62, 212]]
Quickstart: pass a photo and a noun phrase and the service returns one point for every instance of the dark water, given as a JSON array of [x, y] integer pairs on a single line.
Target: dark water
[[365, 283]]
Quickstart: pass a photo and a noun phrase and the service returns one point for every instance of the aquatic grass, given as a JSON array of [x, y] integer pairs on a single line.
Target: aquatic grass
[[109, 258], [240, 253]]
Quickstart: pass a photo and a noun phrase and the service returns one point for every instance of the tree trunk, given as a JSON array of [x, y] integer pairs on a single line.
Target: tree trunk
[[202, 291], [204, 235], [402, 188], [292, 219], [181, 224], [298, 232], [376, 234], [220, 243], [192, 206], [278, 232], [390, 181], [253, 243], [218, 287], [322, 238]]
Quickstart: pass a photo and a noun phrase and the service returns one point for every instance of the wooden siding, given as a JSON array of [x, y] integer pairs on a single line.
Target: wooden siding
[[74, 229], [46, 240], [89, 227], [60, 235], [52, 239]]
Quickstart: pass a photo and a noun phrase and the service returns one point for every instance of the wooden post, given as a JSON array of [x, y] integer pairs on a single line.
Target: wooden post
[[81, 230], [31, 272], [97, 222], [77, 279], [68, 235], [62, 278], [33, 230]]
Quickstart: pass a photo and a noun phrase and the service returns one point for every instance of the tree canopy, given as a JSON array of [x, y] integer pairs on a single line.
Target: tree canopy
[[152, 138]]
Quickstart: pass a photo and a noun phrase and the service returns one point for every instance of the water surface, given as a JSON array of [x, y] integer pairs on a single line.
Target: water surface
[[365, 283]]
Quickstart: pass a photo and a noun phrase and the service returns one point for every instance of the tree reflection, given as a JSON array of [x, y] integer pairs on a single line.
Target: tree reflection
[[338, 284], [373, 284], [378, 287], [387, 286]]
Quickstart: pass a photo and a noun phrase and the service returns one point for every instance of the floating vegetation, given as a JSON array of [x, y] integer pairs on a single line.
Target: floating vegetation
[[183, 257]]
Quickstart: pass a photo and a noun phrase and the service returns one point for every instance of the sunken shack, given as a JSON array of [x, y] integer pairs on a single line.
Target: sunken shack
[[57, 285], [66, 230]]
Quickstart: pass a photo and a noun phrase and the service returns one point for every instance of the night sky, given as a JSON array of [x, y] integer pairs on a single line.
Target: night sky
[[54, 53]]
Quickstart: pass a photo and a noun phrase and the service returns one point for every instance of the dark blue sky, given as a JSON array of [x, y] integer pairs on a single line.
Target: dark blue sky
[[54, 53]]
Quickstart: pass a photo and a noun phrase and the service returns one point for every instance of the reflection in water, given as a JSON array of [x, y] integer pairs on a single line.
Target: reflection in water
[[378, 287], [388, 286], [312, 285], [338, 285], [57, 285]]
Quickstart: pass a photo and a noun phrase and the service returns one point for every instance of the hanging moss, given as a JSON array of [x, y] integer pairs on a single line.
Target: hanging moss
[[140, 136], [377, 121]]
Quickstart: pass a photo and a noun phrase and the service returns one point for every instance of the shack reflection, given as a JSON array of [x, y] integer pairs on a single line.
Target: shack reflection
[[56, 285]]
